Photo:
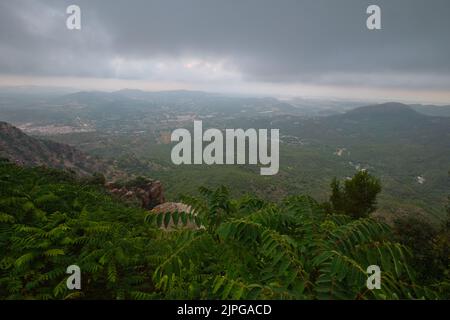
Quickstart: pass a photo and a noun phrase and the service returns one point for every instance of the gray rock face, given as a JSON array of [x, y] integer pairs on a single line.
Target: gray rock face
[[149, 194]]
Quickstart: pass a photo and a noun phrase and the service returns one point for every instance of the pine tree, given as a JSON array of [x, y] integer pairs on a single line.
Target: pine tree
[[358, 196]]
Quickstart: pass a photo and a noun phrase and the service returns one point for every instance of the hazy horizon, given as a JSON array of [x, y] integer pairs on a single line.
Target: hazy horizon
[[291, 49]]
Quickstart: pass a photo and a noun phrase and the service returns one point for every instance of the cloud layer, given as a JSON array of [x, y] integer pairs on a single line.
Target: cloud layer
[[287, 41]]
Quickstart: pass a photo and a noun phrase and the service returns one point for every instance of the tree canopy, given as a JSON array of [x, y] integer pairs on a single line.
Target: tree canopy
[[358, 195], [243, 248]]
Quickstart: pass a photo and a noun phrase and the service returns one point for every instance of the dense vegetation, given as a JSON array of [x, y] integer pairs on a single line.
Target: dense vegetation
[[430, 244], [242, 248], [357, 197], [408, 151]]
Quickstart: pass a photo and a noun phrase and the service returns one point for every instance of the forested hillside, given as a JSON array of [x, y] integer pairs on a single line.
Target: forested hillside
[[26, 150], [242, 248]]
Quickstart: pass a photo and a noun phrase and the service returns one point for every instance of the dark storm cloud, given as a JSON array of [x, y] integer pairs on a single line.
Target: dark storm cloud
[[312, 41]]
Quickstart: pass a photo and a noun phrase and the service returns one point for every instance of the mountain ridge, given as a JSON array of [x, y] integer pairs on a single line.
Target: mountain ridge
[[20, 148], [383, 109]]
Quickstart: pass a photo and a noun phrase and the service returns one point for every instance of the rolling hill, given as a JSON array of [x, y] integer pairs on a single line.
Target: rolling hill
[[23, 149]]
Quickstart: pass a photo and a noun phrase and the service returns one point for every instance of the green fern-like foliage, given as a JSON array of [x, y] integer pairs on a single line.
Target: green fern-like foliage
[[290, 251], [241, 248], [50, 221]]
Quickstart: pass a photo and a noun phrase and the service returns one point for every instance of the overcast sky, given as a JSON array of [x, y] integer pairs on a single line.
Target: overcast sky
[[276, 47]]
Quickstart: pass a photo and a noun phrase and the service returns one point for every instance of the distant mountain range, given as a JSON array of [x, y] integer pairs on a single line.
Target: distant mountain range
[[177, 100], [431, 110]]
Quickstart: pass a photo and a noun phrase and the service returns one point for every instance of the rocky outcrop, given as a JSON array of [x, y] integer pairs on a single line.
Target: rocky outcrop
[[149, 193], [172, 207], [25, 150], [176, 207]]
